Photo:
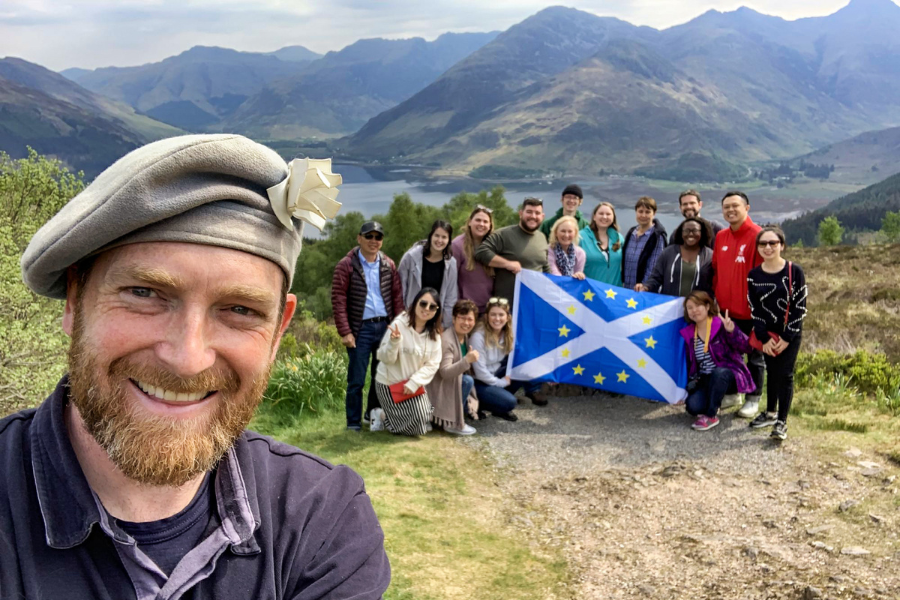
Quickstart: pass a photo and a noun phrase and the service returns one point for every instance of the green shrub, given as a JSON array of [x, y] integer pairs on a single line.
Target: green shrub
[[315, 383], [869, 372], [32, 343]]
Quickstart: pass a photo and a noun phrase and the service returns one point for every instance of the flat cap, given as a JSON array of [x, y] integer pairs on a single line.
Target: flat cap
[[203, 189]]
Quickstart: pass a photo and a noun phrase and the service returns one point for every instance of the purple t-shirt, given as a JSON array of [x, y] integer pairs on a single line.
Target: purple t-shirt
[[475, 285]]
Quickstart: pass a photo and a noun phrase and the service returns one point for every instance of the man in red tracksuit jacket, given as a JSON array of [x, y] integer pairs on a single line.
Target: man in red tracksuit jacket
[[734, 255]]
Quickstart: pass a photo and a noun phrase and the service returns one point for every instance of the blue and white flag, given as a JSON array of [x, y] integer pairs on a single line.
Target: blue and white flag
[[596, 335]]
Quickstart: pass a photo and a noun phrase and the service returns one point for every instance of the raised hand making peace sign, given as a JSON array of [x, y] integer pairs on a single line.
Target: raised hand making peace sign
[[395, 332], [727, 323]]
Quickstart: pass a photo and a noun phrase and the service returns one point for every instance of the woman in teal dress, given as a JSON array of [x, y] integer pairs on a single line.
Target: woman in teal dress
[[602, 244]]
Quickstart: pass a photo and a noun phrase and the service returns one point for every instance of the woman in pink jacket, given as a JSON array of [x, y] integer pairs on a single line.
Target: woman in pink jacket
[[564, 254]]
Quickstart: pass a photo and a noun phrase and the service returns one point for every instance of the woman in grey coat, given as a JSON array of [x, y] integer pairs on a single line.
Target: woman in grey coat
[[430, 263], [686, 264]]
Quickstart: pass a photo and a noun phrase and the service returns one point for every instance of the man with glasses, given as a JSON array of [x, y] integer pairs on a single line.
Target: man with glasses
[[571, 200], [734, 255], [515, 247], [366, 296]]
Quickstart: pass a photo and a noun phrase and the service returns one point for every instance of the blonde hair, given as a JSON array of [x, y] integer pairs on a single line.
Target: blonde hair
[[562, 221], [469, 241], [502, 339]]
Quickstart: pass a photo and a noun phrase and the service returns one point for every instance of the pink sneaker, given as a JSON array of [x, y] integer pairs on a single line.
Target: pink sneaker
[[705, 423]]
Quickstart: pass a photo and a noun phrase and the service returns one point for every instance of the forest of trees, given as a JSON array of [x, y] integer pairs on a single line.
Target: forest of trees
[[857, 212]]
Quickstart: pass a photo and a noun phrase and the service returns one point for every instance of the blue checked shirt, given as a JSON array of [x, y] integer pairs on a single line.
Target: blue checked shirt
[[633, 254], [374, 301]]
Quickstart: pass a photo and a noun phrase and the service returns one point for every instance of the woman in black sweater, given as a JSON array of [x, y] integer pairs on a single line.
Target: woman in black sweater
[[777, 293]]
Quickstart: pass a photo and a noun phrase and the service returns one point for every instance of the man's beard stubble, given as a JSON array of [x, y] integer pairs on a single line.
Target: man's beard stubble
[[148, 448]]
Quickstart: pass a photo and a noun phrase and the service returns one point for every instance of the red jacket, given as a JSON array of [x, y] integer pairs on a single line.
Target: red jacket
[[734, 255], [349, 289]]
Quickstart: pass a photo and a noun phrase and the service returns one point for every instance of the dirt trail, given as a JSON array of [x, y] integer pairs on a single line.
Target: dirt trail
[[644, 507]]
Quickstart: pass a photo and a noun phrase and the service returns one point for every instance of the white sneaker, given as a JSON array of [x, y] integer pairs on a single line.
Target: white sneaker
[[730, 400], [749, 409], [377, 423], [466, 430]]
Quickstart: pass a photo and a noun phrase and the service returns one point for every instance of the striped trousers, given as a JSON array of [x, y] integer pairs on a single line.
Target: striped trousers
[[410, 417]]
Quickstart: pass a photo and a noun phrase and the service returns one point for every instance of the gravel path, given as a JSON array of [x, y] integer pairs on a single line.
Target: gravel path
[[578, 435], [642, 506]]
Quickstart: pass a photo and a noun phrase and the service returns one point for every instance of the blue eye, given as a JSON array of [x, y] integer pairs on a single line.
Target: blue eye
[[141, 292]]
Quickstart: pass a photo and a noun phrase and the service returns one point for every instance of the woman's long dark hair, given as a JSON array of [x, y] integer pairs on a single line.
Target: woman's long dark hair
[[613, 225], [433, 326], [705, 232], [439, 224]]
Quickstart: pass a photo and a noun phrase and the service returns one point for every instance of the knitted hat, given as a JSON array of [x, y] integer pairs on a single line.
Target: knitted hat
[[573, 189], [218, 190]]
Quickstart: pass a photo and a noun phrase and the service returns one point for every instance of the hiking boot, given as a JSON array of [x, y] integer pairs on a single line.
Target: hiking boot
[[749, 409], [510, 416], [705, 423], [465, 430], [731, 400], [377, 422], [537, 398], [763, 419], [779, 431]]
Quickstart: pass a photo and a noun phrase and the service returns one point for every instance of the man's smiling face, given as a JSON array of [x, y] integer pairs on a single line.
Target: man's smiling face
[[171, 349]]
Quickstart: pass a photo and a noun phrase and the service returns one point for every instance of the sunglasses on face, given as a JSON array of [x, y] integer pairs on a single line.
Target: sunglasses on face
[[429, 306], [484, 208], [374, 236], [773, 243], [498, 301]]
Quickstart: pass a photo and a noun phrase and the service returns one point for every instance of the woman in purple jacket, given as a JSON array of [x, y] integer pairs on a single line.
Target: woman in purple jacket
[[715, 368]]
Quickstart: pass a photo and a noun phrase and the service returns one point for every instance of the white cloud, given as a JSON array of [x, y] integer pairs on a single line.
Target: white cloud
[[95, 33]]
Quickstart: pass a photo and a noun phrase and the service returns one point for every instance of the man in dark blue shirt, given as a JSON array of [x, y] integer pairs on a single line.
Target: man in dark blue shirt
[[136, 477]]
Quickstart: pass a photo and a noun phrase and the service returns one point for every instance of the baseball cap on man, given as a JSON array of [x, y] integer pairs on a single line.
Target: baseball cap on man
[[219, 190], [370, 226]]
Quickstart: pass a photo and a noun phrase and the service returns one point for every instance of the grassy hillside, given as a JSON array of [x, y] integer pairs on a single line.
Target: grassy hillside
[[859, 211]]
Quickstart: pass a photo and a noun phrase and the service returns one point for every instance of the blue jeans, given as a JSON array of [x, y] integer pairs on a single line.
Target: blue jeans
[[367, 341], [502, 400], [707, 396], [468, 382]]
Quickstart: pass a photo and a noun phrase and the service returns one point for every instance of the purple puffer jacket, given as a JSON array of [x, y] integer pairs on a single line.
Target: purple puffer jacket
[[725, 349]]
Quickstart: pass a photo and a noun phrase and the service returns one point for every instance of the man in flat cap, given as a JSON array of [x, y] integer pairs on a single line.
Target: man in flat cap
[[136, 477], [366, 296]]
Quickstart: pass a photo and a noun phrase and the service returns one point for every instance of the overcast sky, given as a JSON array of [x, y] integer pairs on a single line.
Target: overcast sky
[[96, 33]]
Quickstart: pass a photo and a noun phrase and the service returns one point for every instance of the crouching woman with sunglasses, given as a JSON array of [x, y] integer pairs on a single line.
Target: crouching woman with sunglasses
[[409, 355], [493, 340]]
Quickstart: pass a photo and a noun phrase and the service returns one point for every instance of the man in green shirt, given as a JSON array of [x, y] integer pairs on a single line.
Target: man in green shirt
[[510, 249], [572, 198]]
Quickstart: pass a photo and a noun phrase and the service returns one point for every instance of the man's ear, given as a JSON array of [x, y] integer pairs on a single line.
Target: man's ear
[[68, 320], [290, 306]]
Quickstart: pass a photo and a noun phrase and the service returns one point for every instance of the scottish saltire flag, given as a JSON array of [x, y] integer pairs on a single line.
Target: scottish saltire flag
[[597, 335]]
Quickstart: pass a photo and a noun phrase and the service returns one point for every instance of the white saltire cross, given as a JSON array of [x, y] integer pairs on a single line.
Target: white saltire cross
[[598, 334]]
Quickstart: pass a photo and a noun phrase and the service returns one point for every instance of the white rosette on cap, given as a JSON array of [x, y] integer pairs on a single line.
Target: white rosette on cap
[[308, 193]]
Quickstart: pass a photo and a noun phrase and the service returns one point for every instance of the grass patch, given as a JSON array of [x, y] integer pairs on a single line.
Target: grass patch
[[445, 520]]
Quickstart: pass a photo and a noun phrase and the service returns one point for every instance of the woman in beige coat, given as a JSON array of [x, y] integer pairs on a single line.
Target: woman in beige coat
[[453, 386]]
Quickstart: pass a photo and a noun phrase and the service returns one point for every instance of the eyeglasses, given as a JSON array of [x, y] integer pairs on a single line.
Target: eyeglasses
[[764, 243], [484, 208], [429, 306], [374, 236], [498, 301]]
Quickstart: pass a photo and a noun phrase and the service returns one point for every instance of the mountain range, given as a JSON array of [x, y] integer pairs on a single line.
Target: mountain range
[[44, 110], [567, 90]]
